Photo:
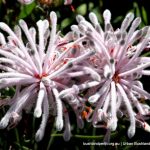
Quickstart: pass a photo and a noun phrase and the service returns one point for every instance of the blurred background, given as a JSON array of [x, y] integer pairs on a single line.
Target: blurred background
[[22, 136]]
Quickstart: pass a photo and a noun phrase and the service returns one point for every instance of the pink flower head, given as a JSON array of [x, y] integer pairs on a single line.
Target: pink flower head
[[119, 62], [42, 72]]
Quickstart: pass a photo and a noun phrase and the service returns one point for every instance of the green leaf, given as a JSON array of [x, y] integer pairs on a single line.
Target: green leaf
[[26, 10], [136, 7], [144, 15], [82, 9], [66, 22], [118, 19]]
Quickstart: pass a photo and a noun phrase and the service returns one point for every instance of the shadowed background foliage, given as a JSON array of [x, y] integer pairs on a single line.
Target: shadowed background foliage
[[22, 136]]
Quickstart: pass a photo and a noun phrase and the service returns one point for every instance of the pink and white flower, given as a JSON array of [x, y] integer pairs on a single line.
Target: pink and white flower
[[119, 62], [40, 70], [49, 72]]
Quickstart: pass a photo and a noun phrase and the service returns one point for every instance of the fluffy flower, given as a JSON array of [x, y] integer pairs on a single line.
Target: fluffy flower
[[40, 70], [119, 62]]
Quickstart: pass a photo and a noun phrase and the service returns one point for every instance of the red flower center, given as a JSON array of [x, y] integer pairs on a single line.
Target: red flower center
[[40, 77], [116, 78]]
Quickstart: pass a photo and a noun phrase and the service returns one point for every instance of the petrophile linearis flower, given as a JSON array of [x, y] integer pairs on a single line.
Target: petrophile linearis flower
[[49, 73], [40, 64], [119, 62]]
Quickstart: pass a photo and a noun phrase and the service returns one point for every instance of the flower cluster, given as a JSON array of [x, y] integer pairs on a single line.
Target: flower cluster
[[50, 72]]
